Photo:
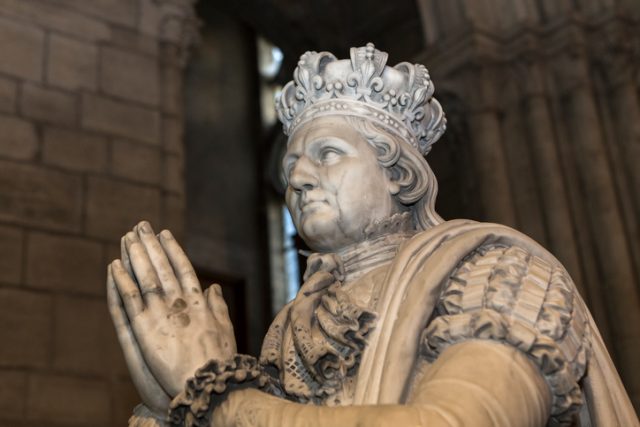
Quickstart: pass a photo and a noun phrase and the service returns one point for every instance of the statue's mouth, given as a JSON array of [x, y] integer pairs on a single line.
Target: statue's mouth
[[311, 206]]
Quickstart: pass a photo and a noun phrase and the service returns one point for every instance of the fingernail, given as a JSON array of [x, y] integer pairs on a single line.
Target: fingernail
[[166, 234], [217, 289], [130, 237], [145, 227]]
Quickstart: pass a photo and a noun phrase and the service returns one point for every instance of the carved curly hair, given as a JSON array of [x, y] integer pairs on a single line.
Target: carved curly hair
[[418, 183]]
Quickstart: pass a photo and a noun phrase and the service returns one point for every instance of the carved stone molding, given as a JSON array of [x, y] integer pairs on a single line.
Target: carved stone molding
[[617, 51], [173, 22], [607, 40]]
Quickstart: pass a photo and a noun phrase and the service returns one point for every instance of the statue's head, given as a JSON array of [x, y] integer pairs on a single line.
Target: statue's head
[[358, 133]]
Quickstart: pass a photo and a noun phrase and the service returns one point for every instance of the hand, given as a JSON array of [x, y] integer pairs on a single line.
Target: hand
[[177, 328]]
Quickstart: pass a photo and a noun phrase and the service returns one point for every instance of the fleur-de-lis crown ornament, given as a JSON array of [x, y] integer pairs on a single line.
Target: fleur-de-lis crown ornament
[[398, 98]]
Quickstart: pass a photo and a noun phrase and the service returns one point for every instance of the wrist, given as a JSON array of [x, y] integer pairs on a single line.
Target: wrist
[[210, 386]]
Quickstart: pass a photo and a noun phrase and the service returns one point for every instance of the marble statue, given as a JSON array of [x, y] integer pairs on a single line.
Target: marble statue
[[403, 318]]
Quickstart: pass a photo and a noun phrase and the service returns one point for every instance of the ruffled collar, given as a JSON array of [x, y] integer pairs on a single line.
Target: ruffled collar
[[384, 238], [317, 340]]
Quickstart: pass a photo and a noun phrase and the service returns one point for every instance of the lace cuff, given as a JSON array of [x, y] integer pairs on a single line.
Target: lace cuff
[[509, 295], [193, 406]]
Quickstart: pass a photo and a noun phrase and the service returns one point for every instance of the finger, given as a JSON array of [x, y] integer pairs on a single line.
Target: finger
[[127, 289], [180, 263], [116, 308], [218, 308], [129, 239], [159, 260], [216, 303], [148, 280], [124, 253], [152, 394]]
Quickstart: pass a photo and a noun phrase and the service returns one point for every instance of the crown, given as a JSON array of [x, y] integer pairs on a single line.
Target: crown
[[398, 98]]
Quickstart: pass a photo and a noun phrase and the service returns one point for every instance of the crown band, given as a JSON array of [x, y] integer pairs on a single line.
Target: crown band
[[355, 109]]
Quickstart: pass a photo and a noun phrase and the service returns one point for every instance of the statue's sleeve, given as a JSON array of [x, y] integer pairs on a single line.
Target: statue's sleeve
[[479, 383], [506, 347], [508, 295]]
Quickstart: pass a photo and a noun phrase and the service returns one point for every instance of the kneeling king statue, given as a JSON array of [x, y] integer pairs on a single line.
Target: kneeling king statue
[[403, 319]]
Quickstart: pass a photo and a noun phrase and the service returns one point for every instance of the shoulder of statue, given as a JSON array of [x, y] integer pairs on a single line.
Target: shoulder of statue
[[506, 293]]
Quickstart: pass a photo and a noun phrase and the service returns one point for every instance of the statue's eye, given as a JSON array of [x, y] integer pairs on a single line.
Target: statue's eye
[[329, 155]]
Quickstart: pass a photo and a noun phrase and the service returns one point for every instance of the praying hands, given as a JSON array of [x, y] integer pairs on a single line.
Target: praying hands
[[166, 325]]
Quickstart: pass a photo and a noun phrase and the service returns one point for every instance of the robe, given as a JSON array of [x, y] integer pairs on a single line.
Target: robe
[[460, 280], [389, 350]]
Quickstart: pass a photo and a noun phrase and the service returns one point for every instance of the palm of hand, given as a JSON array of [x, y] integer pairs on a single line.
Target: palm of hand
[[166, 325]]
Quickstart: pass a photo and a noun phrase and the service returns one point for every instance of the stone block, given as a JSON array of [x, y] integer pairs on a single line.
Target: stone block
[[114, 207], [26, 328], [136, 162], [122, 12], [80, 331], [32, 195], [120, 118], [173, 135], [173, 174], [53, 17], [133, 39], [12, 393], [72, 64], [22, 49], [19, 139], [150, 17], [67, 400], [129, 75], [125, 398], [65, 263], [75, 150], [48, 105], [8, 94], [11, 244]]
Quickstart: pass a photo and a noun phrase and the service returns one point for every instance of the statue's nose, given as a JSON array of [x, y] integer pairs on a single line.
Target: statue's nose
[[303, 175]]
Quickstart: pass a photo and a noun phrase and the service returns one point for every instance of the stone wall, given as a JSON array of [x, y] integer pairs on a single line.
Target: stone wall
[[90, 143], [550, 94]]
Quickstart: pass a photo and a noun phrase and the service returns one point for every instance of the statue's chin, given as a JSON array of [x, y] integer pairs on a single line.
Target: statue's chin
[[322, 233]]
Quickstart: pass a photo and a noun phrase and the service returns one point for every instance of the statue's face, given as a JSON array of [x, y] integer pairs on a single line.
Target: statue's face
[[336, 185]]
